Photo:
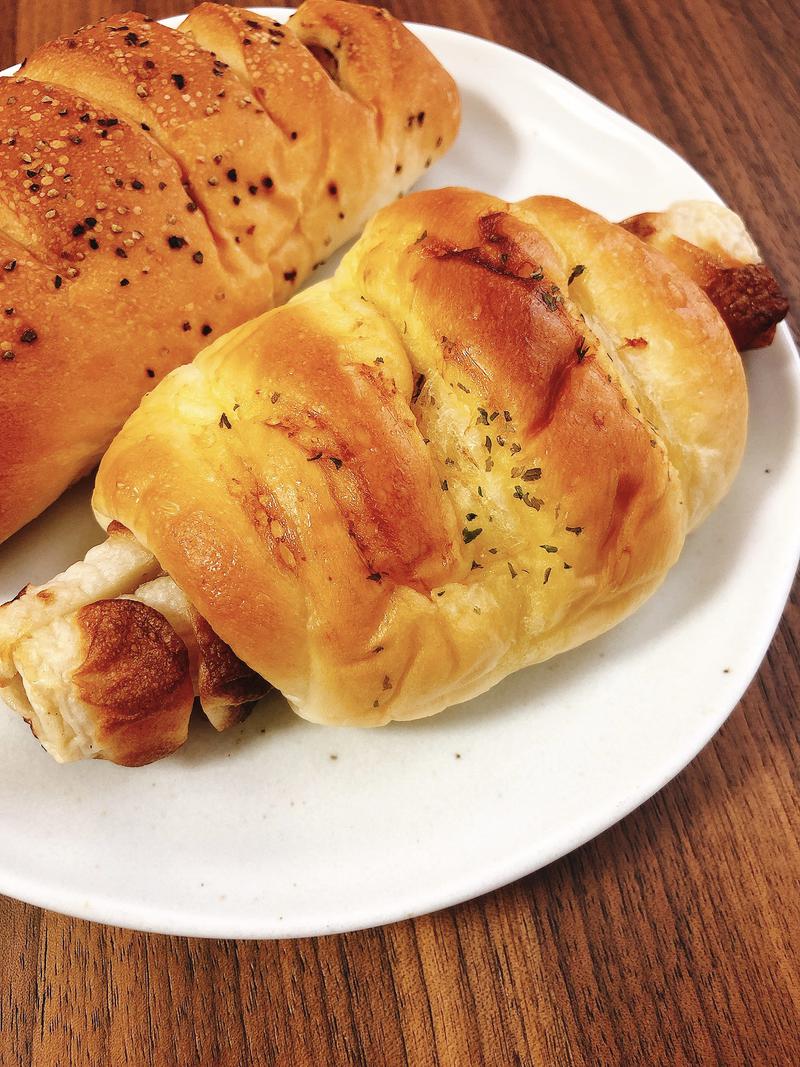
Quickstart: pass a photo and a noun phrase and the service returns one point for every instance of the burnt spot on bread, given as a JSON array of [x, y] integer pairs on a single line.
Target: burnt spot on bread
[[498, 253]]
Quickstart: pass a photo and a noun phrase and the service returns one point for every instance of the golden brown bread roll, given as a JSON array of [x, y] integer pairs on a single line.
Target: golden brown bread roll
[[159, 186], [480, 444]]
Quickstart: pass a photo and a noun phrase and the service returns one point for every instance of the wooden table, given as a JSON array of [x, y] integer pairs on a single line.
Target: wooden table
[[673, 938]]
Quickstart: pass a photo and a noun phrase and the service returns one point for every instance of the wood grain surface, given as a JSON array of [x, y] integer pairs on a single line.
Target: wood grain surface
[[672, 939]]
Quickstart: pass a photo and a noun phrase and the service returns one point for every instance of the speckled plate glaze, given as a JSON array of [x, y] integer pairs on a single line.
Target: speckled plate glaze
[[280, 828]]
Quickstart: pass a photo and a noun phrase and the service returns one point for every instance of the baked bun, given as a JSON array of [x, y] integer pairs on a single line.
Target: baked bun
[[160, 186], [480, 444]]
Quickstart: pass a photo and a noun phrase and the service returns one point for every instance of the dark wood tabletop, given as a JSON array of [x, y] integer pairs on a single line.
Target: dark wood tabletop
[[674, 938]]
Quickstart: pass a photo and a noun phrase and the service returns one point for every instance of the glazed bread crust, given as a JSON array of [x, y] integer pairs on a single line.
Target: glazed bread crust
[[155, 194], [457, 458]]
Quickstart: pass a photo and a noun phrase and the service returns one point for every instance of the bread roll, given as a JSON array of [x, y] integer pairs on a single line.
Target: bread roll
[[159, 186], [480, 444]]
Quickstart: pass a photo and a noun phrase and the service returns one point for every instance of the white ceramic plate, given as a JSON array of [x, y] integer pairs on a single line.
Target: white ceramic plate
[[281, 828]]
